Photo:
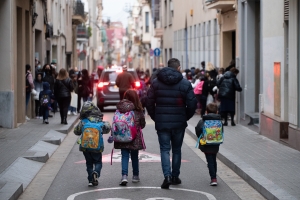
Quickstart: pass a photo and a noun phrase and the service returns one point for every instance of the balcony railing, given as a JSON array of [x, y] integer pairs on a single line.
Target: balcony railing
[[78, 8], [82, 32], [224, 5]]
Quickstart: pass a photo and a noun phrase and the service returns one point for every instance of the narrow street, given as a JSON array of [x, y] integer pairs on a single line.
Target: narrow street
[[71, 183]]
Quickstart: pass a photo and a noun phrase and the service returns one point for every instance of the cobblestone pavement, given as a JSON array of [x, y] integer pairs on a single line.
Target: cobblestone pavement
[[270, 167]]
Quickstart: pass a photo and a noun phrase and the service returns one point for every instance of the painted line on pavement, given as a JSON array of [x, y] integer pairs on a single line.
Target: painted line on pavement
[[72, 197], [143, 157]]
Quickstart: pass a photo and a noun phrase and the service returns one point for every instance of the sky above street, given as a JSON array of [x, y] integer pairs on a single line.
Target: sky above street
[[114, 9]]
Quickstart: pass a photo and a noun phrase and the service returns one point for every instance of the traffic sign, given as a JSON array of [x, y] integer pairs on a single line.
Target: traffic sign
[[157, 52]]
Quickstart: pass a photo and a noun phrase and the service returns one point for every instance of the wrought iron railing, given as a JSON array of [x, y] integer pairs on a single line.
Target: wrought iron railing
[[78, 8]]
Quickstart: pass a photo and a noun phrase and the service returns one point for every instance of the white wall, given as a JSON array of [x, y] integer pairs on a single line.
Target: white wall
[[272, 49]]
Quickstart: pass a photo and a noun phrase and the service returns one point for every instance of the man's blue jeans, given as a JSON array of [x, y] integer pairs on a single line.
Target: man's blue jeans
[[134, 154], [168, 139], [91, 160], [211, 159]]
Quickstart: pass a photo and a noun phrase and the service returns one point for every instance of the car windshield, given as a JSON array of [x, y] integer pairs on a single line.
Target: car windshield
[[112, 76]]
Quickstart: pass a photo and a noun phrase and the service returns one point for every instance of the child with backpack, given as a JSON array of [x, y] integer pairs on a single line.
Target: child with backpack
[[91, 128], [45, 101], [209, 131], [129, 116]]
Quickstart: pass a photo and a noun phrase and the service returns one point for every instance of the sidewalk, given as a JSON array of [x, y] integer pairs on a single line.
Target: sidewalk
[[24, 150], [271, 168]]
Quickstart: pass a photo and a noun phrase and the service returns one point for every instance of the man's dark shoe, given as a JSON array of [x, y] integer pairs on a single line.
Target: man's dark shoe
[[167, 182], [225, 124], [176, 180]]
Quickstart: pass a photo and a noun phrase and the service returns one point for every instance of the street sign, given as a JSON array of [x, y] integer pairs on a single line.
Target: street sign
[[151, 52], [157, 52]]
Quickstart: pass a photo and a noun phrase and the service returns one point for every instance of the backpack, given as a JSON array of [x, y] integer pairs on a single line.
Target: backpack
[[123, 129], [199, 87], [28, 87], [44, 100], [91, 137], [212, 133]]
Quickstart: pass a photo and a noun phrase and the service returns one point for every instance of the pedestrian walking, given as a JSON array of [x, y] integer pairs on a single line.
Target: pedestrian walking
[[48, 76], [45, 97], [210, 150], [171, 103], [131, 102], [207, 95], [85, 88], [29, 86], [62, 91], [228, 85], [72, 109], [38, 83], [124, 82], [92, 118]]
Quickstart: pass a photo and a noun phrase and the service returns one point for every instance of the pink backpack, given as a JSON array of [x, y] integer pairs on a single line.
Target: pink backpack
[[198, 88]]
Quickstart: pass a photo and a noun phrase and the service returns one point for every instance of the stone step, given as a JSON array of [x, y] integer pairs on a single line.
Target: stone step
[[11, 190], [254, 118]]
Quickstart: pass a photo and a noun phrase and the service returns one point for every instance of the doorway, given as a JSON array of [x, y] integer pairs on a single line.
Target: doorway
[[229, 47]]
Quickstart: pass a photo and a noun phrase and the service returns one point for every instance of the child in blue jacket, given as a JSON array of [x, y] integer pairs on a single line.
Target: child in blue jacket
[[210, 151], [45, 101], [93, 157]]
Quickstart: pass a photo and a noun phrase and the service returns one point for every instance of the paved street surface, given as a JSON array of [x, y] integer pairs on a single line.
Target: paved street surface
[[71, 182]]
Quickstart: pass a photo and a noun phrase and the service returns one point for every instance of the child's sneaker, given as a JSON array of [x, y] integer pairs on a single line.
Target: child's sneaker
[[91, 184], [69, 112], [213, 182], [46, 121], [135, 179], [95, 178], [124, 180]]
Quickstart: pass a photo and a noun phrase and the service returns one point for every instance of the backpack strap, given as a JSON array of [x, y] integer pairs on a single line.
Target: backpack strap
[[111, 155]]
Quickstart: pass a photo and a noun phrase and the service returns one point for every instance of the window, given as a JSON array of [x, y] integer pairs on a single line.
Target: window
[[147, 22], [165, 14], [170, 11]]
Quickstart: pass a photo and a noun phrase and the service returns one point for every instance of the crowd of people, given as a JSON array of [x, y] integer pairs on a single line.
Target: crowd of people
[[215, 85], [171, 97], [57, 91]]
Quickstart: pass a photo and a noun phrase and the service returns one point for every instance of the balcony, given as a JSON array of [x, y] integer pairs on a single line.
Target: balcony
[[82, 33], [78, 13], [224, 5]]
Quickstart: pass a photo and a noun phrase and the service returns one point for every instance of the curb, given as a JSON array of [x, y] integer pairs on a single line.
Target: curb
[[25, 168], [260, 183]]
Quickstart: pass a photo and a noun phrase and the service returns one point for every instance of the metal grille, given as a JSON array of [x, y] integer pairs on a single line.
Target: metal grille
[[286, 9]]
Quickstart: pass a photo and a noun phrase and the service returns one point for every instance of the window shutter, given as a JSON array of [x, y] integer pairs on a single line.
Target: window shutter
[[286, 9]]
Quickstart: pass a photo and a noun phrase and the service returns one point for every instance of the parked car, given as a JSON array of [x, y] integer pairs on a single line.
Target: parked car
[[107, 90]]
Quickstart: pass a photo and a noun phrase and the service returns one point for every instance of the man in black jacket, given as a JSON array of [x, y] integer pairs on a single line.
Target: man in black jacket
[[171, 103]]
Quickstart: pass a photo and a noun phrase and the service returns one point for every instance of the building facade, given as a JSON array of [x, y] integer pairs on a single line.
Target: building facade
[[32, 29], [280, 111], [190, 33]]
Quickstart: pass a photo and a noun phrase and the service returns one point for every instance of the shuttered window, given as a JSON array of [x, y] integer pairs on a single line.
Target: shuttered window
[[286, 9]]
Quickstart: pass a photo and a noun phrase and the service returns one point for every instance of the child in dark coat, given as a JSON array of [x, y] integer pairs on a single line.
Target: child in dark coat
[[45, 101], [210, 151]]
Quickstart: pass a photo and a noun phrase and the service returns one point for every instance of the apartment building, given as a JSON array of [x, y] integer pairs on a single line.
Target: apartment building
[[190, 33]]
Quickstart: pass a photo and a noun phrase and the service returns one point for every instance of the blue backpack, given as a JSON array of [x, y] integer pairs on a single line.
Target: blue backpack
[[212, 133], [91, 137]]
